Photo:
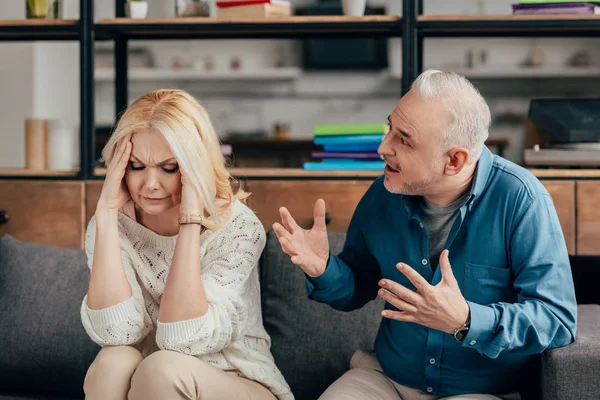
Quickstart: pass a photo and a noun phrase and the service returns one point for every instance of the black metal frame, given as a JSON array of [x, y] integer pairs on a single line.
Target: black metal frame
[[411, 28]]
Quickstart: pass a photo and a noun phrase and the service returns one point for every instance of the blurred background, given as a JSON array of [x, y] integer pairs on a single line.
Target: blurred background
[[265, 96]]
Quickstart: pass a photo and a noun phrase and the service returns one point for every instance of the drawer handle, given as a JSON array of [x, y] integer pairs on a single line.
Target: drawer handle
[[327, 219], [4, 217]]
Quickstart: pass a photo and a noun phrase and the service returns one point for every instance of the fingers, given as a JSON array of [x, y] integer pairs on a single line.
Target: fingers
[[122, 149], [281, 232], [319, 215], [446, 268], [400, 291], [287, 247], [289, 222], [398, 316], [125, 157], [396, 301], [414, 277]]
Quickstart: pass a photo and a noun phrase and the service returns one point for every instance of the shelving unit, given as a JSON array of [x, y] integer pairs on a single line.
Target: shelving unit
[[81, 30], [413, 27]]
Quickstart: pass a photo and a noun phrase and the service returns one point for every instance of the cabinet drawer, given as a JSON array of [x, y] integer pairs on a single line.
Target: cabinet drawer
[[299, 196], [588, 218], [563, 196], [45, 212]]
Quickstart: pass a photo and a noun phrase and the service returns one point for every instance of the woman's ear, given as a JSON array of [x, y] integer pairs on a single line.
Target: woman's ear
[[458, 157]]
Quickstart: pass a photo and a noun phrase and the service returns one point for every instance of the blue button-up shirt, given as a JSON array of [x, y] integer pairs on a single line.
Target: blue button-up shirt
[[509, 256]]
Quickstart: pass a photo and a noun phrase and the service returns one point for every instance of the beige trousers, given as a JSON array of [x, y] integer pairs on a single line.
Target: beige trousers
[[121, 372], [366, 381]]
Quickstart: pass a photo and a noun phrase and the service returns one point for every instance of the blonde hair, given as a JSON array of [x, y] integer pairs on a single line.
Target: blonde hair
[[188, 130]]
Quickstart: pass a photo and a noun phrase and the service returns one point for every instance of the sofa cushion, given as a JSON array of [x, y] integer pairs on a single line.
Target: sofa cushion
[[572, 372], [311, 342], [44, 346]]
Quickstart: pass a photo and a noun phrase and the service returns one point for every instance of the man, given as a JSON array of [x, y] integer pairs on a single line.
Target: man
[[468, 327]]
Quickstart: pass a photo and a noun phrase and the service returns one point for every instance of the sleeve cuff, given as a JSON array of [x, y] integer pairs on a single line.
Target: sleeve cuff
[[326, 279], [180, 331], [124, 311], [483, 323]]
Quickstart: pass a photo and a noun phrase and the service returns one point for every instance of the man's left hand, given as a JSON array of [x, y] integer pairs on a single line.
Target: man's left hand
[[441, 307]]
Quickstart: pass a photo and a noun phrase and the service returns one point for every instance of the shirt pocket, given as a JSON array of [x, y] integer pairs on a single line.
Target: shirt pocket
[[486, 285]]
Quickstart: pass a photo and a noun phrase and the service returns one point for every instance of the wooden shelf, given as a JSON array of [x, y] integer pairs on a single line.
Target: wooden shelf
[[279, 173], [151, 74], [247, 28], [508, 25], [565, 173], [22, 172], [39, 29]]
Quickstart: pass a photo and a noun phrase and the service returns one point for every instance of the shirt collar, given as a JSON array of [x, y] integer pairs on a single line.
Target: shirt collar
[[482, 173]]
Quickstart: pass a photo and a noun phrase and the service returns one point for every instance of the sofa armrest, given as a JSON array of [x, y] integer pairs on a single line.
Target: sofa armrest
[[573, 372]]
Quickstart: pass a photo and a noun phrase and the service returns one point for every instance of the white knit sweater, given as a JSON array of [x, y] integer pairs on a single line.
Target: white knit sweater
[[230, 336]]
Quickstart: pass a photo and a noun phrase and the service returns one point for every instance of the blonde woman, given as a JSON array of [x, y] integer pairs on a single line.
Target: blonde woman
[[173, 297]]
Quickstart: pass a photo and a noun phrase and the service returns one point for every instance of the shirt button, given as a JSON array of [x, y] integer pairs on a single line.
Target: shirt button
[[429, 389], [473, 342], [421, 224], [432, 361], [424, 262]]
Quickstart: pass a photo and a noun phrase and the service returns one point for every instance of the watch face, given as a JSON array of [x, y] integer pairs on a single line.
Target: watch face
[[460, 335]]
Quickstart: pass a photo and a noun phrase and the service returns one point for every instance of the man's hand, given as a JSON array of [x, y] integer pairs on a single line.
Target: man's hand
[[441, 307], [308, 249]]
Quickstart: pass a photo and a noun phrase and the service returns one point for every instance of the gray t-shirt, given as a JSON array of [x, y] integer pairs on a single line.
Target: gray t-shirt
[[438, 221]]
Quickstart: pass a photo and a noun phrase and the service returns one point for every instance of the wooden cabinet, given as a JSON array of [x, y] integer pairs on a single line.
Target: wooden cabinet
[[57, 212], [563, 196], [299, 196], [588, 217], [47, 212], [92, 194]]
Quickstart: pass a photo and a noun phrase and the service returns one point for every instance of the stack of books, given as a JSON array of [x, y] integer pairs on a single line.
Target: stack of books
[[347, 147], [253, 8], [537, 7]]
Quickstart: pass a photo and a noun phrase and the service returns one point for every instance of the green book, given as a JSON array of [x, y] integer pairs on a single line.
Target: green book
[[550, 1], [350, 129]]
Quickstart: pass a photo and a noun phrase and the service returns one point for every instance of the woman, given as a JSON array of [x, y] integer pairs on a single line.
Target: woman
[[173, 296]]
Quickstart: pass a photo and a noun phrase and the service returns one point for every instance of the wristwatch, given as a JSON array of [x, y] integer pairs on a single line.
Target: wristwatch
[[461, 333], [190, 219]]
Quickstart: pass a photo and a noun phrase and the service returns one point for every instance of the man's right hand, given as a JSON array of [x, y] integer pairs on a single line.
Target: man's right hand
[[309, 249], [114, 192]]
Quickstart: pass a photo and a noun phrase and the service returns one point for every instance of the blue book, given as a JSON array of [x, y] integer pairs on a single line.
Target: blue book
[[358, 139], [341, 148], [345, 165]]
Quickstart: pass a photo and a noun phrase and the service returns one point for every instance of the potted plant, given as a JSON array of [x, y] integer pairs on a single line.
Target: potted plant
[[136, 9]]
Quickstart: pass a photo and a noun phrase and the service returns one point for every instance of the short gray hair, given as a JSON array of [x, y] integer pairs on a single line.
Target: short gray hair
[[470, 112]]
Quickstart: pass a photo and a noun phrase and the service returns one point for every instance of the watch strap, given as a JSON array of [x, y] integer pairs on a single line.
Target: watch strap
[[190, 219]]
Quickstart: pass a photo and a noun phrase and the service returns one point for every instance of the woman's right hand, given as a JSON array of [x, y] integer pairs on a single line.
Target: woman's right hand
[[114, 192], [308, 249]]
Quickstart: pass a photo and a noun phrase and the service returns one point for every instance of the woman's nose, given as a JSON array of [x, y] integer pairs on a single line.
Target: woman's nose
[[152, 182]]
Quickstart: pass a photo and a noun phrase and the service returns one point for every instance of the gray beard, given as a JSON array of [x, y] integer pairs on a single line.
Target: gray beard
[[416, 188]]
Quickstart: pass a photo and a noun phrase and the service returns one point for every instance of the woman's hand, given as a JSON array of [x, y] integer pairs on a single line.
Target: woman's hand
[[190, 200], [114, 190]]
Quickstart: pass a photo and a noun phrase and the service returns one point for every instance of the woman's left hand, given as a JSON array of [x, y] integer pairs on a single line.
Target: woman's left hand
[[190, 200]]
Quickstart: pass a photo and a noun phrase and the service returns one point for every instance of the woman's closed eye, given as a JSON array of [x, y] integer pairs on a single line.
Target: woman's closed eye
[[168, 168]]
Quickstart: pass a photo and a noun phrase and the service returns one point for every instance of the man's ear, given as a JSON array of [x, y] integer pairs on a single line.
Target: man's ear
[[456, 159]]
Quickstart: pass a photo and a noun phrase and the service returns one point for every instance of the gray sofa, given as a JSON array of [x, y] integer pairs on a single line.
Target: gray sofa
[[44, 351]]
